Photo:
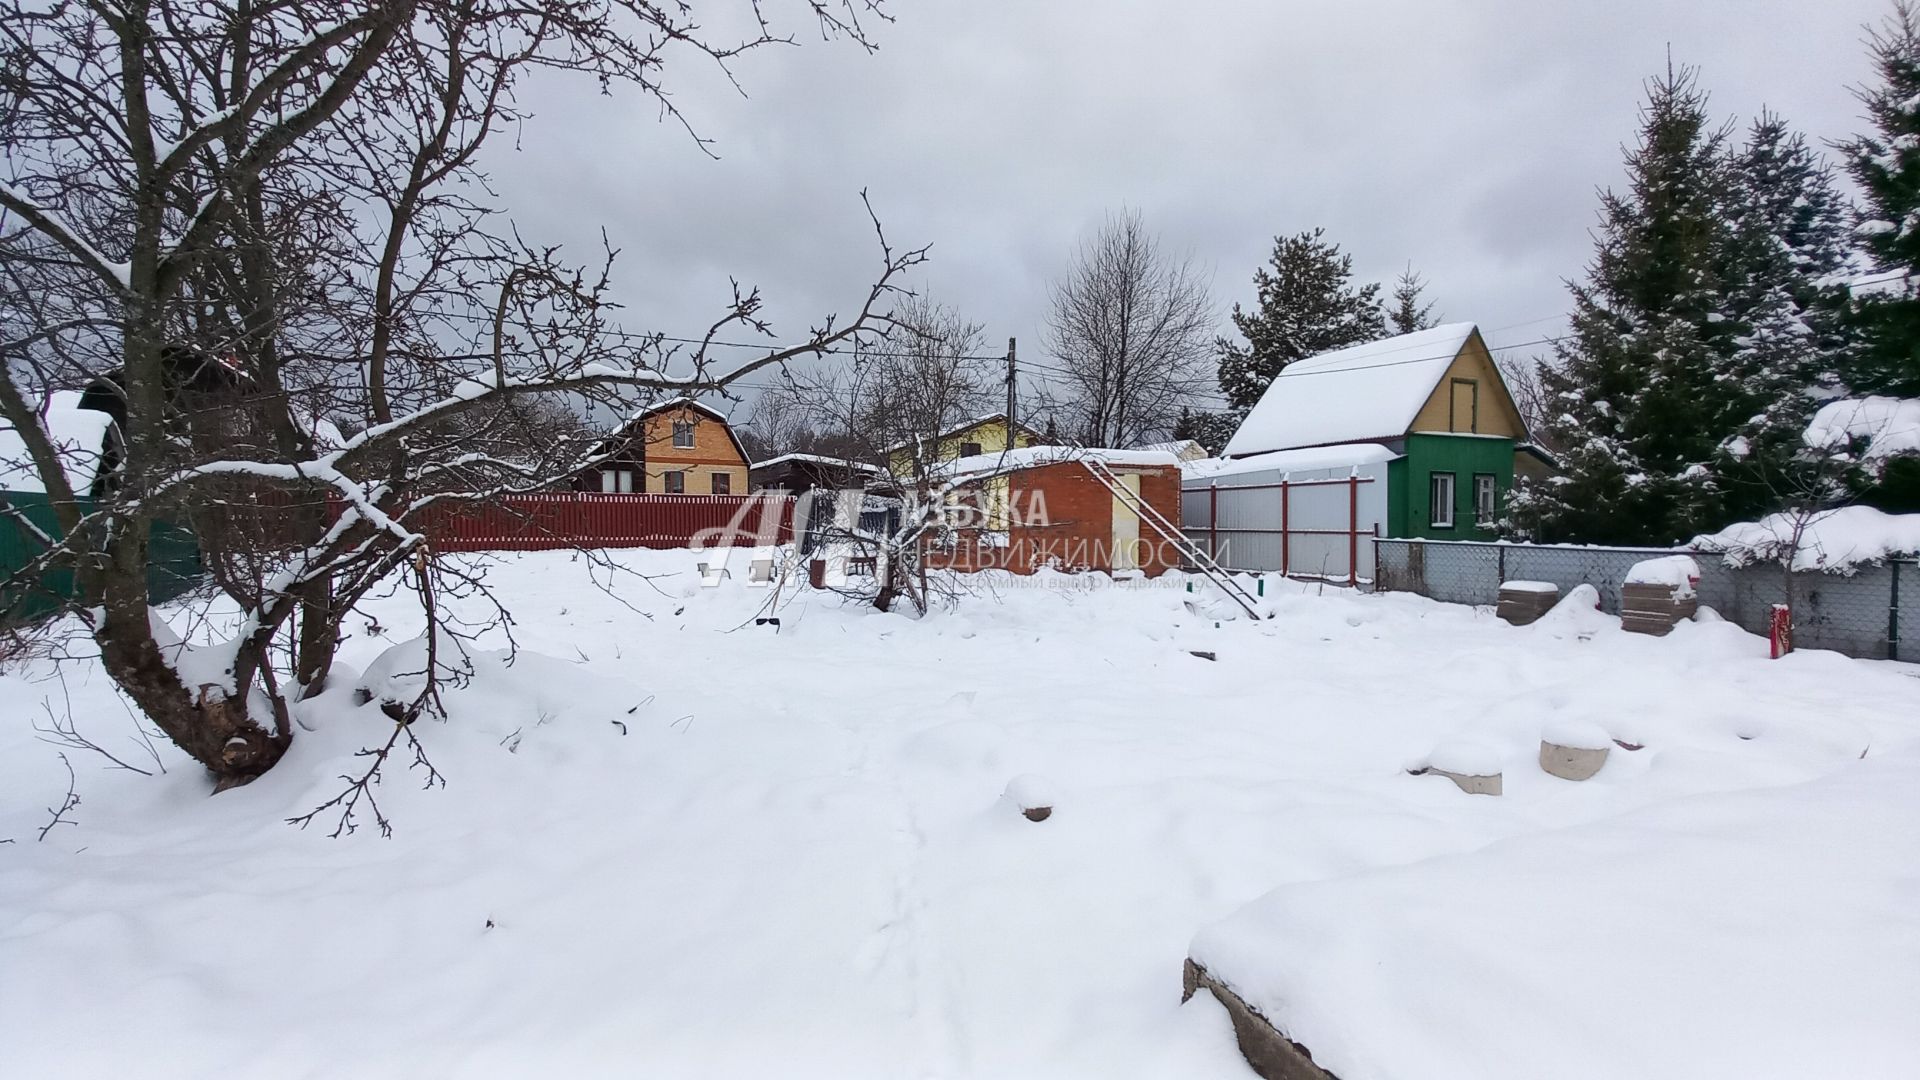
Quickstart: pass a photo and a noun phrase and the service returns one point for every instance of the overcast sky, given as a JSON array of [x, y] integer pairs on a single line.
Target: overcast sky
[[1465, 137]]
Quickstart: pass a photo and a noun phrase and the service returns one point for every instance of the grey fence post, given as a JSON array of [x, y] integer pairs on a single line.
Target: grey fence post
[[1893, 611], [1503, 564]]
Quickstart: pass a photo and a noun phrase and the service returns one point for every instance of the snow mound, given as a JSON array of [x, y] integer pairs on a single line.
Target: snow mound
[[1678, 571], [1646, 945], [1890, 426], [1465, 757], [1577, 734], [1530, 586], [78, 436], [1835, 540], [1577, 612], [1030, 792]]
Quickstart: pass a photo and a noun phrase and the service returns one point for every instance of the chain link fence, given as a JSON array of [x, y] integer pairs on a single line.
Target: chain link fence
[[1872, 613]]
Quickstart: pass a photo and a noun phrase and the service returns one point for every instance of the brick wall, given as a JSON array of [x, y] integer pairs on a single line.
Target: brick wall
[[1064, 520]]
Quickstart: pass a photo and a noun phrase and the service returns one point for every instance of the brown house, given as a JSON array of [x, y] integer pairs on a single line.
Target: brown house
[[673, 447]]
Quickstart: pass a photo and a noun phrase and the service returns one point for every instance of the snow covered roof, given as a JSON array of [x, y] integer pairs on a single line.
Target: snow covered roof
[[1184, 449], [1029, 457], [819, 459], [1306, 459], [1890, 425], [967, 425], [1836, 540], [1365, 393], [79, 436], [674, 402]]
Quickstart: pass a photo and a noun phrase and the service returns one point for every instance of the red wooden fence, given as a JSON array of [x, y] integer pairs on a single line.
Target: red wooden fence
[[595, 520]]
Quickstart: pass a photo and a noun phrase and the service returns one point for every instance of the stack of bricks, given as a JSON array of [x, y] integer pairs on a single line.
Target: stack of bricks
[[1654, 609], [1522, 602]]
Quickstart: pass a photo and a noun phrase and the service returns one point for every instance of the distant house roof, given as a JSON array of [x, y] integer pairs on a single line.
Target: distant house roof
[[79, 438], [674, 402], [1184, 449], [968, 425], [819, 459], [1366, 393], [1306, 459], [1032, 457]]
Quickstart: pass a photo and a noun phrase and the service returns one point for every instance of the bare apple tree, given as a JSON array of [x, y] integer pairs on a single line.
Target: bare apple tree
[[257, 231]]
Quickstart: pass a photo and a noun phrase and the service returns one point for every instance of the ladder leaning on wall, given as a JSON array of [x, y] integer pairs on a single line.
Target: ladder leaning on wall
[[1144, 510]]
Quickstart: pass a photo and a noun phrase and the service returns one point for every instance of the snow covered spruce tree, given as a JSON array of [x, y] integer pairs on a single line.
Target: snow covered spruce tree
[[256, 233], [1633, 395], [1885, 166], [1787, 247], [1306, 303]]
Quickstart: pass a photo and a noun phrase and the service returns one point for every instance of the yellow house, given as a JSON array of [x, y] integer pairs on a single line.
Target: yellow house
[[981, 436]]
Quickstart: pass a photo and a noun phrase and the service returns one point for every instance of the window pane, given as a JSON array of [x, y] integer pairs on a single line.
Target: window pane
[[676, 482], [969, 449], [722, 483], [1440, 510], [1485, 495], [682, 433], [626, 481], [607, 481]]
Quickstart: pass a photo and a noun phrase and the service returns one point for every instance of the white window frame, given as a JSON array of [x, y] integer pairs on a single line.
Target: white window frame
[[1486, 498], [683, 434], [1435, 505], [674, 482], [616, 481]]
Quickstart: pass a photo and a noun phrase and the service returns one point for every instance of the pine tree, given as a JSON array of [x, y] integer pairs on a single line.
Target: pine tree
[[1210, 429], [1307, 304], [1788, 244], [1633, 398], [1408, 314], [1885, 165]]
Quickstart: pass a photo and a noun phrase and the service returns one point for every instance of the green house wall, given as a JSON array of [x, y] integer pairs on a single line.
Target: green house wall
[[1408, 480], [173, 560]]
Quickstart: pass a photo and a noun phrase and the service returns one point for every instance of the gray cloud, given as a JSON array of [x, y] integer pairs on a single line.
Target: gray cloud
[[1468, 138]]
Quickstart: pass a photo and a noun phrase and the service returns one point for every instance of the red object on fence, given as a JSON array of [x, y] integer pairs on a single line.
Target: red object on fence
[[1780, 631], [595, 520]]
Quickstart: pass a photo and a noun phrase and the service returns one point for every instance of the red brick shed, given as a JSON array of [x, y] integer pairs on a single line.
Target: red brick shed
[[1068, 509]]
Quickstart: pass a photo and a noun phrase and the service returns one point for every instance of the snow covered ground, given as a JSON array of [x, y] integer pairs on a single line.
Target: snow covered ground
[[676, 844]]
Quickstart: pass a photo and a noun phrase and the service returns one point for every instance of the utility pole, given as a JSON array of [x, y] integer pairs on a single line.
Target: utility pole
[[1012, 367]]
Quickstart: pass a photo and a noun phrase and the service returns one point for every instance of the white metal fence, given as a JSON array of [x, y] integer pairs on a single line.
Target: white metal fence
[[1318, 523]]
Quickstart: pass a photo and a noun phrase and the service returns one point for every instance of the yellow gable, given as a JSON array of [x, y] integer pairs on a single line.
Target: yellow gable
[[1471, 398]]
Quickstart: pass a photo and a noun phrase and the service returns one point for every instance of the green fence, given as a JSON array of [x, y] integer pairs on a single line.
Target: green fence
[[173, 565]]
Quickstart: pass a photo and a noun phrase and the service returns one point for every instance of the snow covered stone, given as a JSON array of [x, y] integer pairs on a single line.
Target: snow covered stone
[[1574, 750], [1473, 767], [1033, 796], [1267, 1049]]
